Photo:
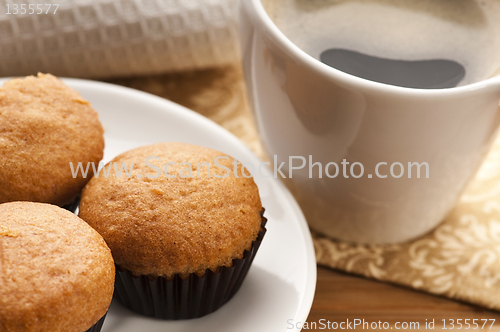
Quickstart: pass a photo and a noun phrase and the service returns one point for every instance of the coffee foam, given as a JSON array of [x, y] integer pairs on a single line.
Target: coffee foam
[[465, 31]]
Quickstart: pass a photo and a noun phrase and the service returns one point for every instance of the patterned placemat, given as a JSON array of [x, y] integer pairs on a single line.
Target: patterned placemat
[[460, 259]]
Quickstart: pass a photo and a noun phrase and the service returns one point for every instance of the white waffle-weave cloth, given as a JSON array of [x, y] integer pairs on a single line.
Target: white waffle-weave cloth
[[112, 38]]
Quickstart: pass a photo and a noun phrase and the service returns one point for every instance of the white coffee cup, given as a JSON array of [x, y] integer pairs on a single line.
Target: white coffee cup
[[304, 108]]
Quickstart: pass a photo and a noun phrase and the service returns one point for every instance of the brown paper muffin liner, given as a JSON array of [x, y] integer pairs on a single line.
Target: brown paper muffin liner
[[98, 326], [185, 299]]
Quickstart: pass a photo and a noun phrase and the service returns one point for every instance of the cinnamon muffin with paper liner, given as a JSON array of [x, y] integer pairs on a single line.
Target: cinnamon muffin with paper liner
[[44, 126], [56, 272], [183, 237]]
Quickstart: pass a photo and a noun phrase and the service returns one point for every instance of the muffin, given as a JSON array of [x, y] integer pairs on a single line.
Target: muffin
[[45, 126], [57, 273], [182, 240]]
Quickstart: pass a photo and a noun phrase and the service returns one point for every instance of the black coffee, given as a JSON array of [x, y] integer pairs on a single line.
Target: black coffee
[[424, 74], [428, 44]]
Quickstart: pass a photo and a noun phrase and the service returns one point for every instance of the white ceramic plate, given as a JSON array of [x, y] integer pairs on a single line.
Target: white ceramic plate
[[280, 285]]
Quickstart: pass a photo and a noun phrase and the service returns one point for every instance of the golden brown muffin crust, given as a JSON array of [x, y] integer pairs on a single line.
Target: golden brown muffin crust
[[167, 226], [45, 125], [56, 272]]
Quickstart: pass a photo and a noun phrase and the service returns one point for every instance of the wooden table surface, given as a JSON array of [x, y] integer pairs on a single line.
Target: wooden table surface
[[341, 296]]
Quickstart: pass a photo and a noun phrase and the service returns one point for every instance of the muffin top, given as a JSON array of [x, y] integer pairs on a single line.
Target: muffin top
[[45, 125], [56, 272], [160, 224]]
